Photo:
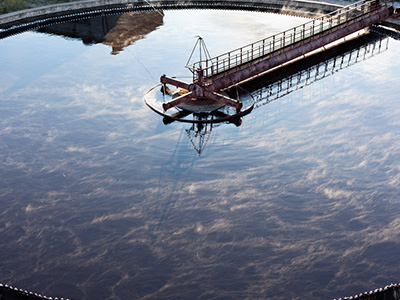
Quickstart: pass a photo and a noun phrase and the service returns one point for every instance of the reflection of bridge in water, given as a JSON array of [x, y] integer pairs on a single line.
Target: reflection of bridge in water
[[292, 77], [318, 71]]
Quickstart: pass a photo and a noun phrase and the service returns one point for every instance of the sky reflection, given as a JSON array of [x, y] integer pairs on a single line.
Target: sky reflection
[[101, 200]]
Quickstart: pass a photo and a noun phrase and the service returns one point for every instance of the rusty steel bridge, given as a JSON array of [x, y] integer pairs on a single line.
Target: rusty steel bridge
[[212, 75]]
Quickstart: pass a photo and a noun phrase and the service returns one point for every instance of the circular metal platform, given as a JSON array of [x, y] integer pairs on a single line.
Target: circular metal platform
[[200, 105], [197, 111]]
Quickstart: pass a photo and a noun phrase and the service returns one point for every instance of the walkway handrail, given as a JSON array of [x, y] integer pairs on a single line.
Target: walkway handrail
[[229, 60]]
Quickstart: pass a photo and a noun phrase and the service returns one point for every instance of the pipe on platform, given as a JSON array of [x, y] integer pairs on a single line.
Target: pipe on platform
[[207, 94], [178, 100], [173, 81], [196, 91], [262, 66], [223, 99]]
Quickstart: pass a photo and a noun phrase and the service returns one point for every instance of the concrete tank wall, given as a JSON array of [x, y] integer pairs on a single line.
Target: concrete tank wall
[[49, 11]]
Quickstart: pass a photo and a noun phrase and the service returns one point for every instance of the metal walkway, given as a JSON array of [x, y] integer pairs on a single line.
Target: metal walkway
[[217, 73], [220, 65]]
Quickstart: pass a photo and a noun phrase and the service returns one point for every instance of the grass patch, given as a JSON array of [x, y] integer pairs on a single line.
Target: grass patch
[[13, 5], [7, 6]]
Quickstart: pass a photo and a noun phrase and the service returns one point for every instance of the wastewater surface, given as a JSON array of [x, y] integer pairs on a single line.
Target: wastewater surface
[[99, 199]]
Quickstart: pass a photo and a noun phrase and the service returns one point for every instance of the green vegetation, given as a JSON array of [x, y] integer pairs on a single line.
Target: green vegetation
[[7, 6], [12, 5]]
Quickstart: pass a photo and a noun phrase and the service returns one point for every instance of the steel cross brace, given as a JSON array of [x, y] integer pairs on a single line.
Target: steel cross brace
[[196, 91]]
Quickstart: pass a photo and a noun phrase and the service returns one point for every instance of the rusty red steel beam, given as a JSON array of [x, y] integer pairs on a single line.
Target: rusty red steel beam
[[176, 82], [178, 100], [235, 77], [203, 93], [223, 99], [196, 91]]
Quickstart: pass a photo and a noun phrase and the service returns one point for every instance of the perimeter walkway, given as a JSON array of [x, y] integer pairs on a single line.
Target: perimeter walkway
[[42, 16], [295, 7]]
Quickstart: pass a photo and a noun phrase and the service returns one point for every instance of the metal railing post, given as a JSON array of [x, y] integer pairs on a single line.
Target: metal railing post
[[273, 43], [313, 27], [263, 47], [294, 29]]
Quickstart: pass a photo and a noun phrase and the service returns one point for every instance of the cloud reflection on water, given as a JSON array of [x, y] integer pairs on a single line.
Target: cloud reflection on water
[[98, 204]]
